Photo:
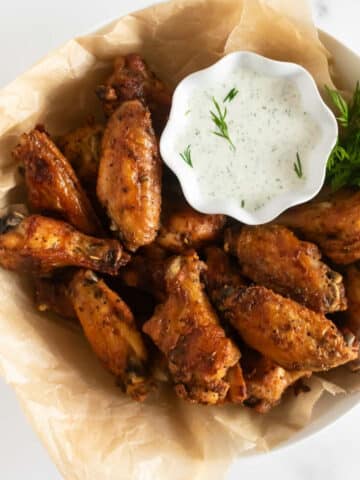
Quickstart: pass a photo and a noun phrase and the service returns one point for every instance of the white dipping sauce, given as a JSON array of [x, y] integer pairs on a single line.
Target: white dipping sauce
[[268, 128]]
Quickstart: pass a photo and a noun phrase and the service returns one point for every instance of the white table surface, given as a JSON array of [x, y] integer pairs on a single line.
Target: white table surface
[[28, 30]]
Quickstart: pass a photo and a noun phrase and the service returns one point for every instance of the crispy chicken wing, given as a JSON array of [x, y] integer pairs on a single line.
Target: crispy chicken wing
[[334, 224], [352, 283], [52, 185], [182, 227], [132, 79], [82, 147], [285, 331], [202, 360], [272, 256], [129, 181], [111, 331], [266, 382], [41, 244], [53, 294], [282, 330]]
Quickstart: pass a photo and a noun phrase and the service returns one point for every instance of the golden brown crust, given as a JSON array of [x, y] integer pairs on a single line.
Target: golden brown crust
[[334, 224], [52, 185], [82, 148], [182, 227], [352, 284], [286, 332], [266, 383], [186, 329], [129, 181], [41, 244], [111, 331], [272, 256], [131, 79], [265, 380]]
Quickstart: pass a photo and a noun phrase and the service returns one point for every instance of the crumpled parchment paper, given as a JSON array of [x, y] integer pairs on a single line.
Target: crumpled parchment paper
[[92, 431]]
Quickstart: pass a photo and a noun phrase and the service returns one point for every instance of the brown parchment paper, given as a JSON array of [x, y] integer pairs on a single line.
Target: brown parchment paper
[[91, 430]]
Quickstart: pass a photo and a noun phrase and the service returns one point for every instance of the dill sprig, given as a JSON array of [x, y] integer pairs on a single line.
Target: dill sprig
[[186, 155], [298, 166], [343, 167], [231, 95], [219, 119]]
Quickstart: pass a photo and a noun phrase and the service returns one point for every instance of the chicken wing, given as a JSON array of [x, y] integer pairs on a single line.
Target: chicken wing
[[132, 79], [201, 359], [334, 224], [110, 328], [282, 330], [82, 147], [352, 283], [272, 256], [182, 227], [129, 181], [41, 244], [53, 294], [285, 331], [266, 382], [52, 185]]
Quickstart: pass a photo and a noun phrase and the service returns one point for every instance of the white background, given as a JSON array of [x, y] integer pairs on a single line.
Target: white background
[[28, 30]]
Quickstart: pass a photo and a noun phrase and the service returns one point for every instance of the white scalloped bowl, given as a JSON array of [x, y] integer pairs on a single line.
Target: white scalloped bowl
[[314, 166]]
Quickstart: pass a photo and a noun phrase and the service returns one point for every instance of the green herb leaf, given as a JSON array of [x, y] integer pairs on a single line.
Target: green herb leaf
[[231, 95], [341, 105], [242, 203], [343, 167], [186, 156], [219, 119], [298, 166]]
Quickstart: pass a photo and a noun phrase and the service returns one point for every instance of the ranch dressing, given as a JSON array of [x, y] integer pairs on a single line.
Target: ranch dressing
[[269, 138]]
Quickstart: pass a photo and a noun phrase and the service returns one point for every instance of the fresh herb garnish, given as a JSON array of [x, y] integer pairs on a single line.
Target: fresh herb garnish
[[187, 112], [341, 105], [242, 203], [343, 167], [231, 95], [186, 155], [219, 119], [298, 166]]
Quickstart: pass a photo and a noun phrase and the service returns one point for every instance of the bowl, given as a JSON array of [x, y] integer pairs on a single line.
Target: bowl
[[313, 164]]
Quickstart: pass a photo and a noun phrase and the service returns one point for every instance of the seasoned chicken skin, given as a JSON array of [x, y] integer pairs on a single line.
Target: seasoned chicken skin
[[111, 331], [282, 330], [334, 224], [285, 331], [52, 185], [132, 79], [352, 283], [201, 359], [266, 382], [182, 227], [82, 148], [41, 244], [272, 256], [129, 181]]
